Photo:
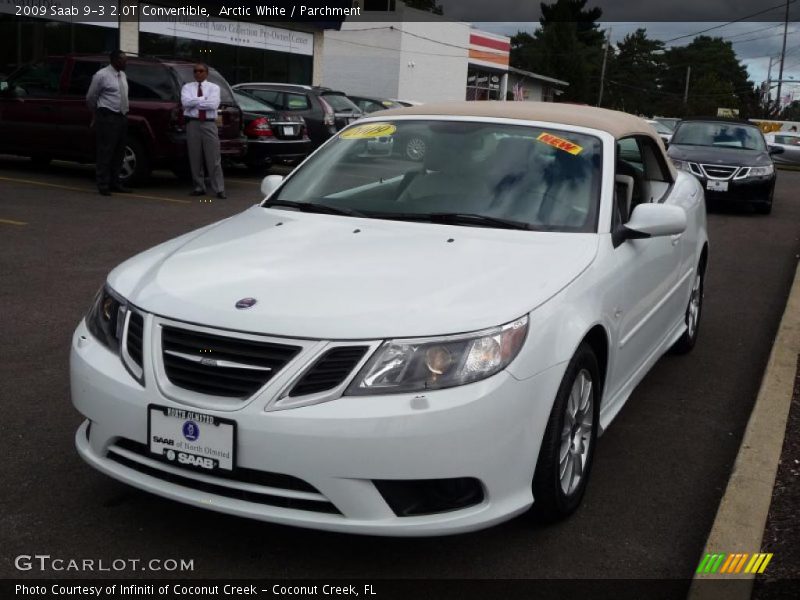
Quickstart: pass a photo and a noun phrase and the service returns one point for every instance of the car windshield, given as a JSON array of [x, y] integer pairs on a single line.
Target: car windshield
[[455, 172], [340, 102], [251, 104], [720, 134]]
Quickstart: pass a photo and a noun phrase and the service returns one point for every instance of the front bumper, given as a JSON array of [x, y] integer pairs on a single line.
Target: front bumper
[[490, 430], [752, 190]]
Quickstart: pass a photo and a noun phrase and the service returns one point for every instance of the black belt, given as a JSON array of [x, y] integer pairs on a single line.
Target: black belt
[[187, 119], [107, 111]]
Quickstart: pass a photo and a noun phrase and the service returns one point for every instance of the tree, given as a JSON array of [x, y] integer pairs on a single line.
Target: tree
[[568, 45], [634, 74], [426, 5], [718, 80]]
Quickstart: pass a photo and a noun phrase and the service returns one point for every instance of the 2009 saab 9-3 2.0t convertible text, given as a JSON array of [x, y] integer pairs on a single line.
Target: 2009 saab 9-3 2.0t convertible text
[[389, 346]]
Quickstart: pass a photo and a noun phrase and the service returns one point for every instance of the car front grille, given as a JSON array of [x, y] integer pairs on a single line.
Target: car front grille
[[136, 337], [719, 171], [250, 485], [331, 369], [219, 365]]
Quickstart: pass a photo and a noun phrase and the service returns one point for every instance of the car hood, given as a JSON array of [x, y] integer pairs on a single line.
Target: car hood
[[719, 155], [331, 277]]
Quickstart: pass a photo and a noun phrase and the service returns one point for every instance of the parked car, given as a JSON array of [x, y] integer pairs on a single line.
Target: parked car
[[670, 122], [325, 110], [664, 132], [386, 349], [371, 105], [729, 157], [406, 102], [43, 113], [790, 143], [272, 135]]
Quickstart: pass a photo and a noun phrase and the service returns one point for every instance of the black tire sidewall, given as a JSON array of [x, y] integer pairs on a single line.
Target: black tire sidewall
[[549, 501]]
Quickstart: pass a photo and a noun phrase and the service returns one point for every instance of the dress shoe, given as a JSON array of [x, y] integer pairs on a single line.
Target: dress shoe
[[121, 189], [104, 191], [221, 195], [197, 193]]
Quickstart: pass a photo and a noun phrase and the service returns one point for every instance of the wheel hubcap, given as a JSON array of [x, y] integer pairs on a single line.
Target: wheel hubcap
[[415, 149], [576, 436], [693, 311], [128, 163]]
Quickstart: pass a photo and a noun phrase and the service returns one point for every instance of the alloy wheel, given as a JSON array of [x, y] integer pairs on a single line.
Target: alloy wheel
[[576, 434]]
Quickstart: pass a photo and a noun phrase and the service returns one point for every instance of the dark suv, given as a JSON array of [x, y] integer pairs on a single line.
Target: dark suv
[[325, 110], [43, 113]]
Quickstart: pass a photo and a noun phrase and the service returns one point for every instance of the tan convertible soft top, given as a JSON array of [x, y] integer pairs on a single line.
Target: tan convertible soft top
[[618, 124]]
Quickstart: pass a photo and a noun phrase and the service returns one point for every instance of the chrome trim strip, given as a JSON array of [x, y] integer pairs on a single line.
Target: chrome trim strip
[[214, 362]]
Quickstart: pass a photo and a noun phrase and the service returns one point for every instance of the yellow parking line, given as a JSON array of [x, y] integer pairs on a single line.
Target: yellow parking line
[[89, 190], [10, 222], [247, 181]]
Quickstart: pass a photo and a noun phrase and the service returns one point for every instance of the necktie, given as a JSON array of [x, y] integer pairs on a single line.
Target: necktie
[[123, 93], [199, 94]]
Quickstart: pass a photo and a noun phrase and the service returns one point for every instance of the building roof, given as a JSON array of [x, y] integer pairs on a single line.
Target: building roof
[[537, 76], [618, 124]]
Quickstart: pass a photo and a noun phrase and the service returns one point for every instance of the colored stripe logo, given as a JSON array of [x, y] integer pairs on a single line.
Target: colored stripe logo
[[732, 564]]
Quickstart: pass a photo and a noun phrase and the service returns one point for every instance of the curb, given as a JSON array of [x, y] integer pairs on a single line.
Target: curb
[[742, 513]]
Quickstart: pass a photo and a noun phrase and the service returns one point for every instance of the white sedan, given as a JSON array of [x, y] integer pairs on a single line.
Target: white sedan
[[391, 347]]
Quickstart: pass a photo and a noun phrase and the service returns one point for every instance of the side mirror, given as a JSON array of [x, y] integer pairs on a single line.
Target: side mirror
[[270, 184], [655, 220], [775, 150]]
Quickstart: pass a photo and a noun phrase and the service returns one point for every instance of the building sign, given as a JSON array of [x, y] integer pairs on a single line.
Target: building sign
[[490, 50], [234, 33]]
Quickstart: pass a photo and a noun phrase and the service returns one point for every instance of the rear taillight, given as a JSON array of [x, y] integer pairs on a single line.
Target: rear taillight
[[329, 116], [259, 128]]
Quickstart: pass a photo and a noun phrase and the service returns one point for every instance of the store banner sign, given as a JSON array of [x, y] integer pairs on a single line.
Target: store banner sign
[[80, 12], [234, 33]]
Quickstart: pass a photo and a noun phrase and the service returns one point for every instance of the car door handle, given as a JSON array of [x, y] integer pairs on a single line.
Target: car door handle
[[676, 238]]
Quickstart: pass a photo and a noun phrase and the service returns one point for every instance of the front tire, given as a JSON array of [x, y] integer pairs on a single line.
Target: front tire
[[565, 458]]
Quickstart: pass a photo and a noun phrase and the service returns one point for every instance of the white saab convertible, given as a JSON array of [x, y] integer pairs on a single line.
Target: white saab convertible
[[396, 346]]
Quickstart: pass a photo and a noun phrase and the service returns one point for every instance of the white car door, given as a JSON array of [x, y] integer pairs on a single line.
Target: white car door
[[645, 302]]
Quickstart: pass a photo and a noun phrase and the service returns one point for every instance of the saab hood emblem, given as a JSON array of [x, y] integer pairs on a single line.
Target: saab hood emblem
[[246, 303]]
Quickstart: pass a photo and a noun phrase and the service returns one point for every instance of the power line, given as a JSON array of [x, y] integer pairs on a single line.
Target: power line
[[739, 20]]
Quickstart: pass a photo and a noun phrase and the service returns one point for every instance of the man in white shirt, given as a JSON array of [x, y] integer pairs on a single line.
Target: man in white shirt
[[107, 98], [200, 100]]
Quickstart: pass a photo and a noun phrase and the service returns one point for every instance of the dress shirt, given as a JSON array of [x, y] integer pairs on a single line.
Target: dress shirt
[[109, 89], [193, 104]]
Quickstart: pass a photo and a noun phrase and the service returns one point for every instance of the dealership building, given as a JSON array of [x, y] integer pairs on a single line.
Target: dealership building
[[389, 51]]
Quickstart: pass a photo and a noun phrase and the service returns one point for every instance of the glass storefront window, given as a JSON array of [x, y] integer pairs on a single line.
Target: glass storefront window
[[483, 85], [237, 64]]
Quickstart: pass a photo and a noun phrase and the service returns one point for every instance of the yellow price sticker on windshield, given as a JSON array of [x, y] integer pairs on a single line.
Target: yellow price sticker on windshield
[[368, 130], [560, 143]]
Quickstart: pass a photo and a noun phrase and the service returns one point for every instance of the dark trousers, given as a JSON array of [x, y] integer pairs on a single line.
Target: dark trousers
[[111, 130]]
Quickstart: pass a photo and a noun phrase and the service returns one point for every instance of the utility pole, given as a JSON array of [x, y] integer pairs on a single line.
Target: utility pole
[[603, 71], [686, 89], [783, 53], [769, 88]]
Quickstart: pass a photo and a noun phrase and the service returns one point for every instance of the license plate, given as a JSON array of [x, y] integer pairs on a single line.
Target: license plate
[[717, 186], [191, 439], [288, 130]]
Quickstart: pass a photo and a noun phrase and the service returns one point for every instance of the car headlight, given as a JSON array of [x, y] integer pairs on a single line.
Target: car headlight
[[761, 171], [106, 318], [404, 365], [681, 165]]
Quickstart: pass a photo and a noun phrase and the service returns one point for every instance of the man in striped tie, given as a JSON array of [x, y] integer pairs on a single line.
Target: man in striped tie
[[200, 99]]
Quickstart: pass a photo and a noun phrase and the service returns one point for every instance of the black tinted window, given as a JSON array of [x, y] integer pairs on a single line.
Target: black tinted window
[[340, 102], [269, 96], [40, 79], [149, 82], [81, 77]]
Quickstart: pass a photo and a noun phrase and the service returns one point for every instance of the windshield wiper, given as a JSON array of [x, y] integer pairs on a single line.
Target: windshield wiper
[[456, 219], [316, 207]]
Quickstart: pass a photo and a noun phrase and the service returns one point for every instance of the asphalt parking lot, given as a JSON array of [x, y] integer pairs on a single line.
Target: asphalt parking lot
[[660, 469]]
